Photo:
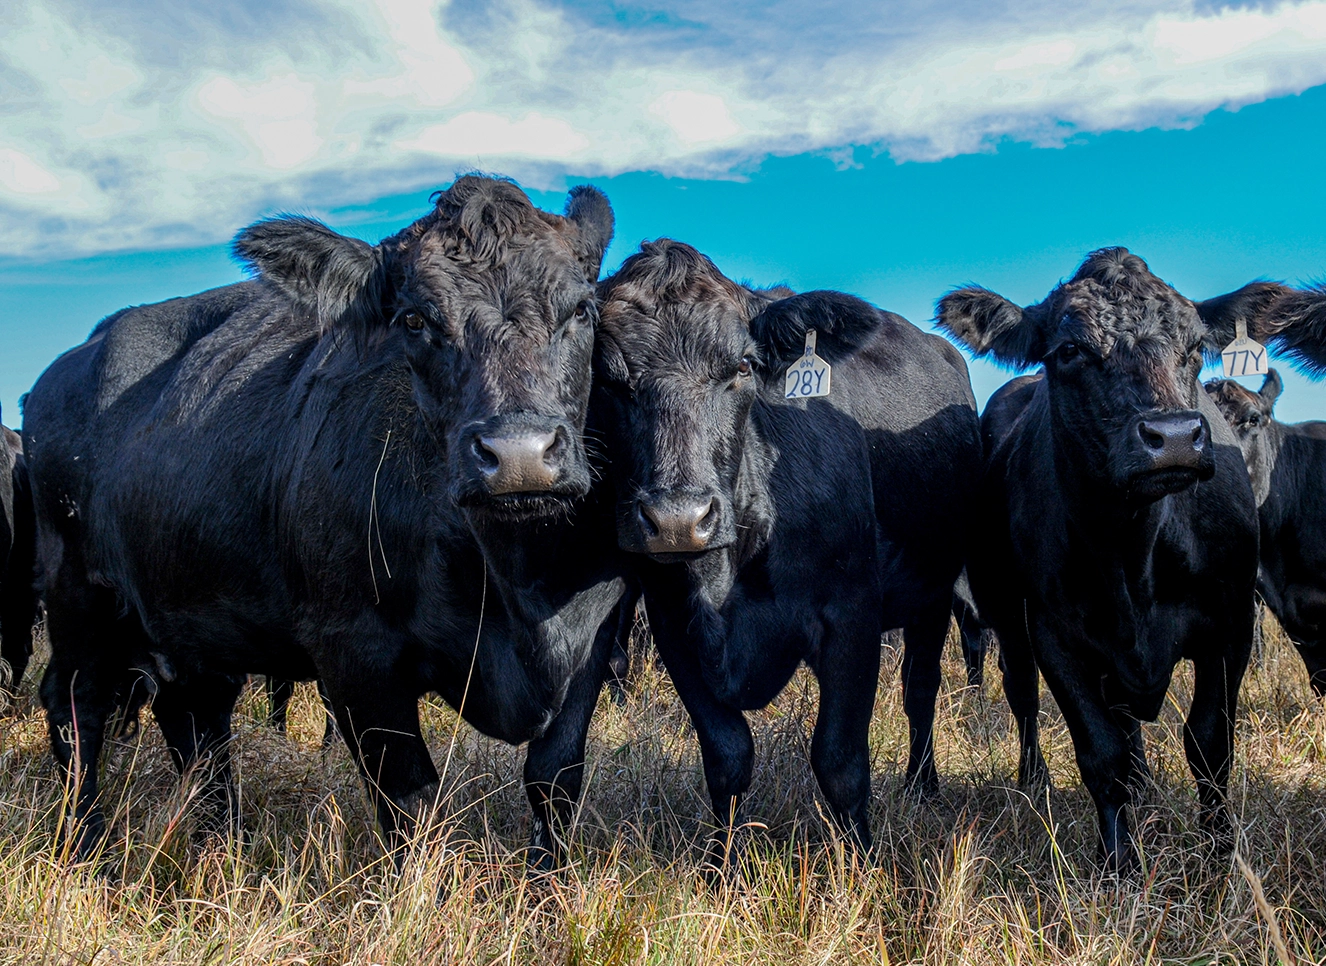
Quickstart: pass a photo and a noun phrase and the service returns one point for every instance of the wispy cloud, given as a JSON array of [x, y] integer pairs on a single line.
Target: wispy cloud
[[142, 123]]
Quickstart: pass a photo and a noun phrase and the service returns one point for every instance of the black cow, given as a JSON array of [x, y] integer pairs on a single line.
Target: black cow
[[414, 516], [768, 532], [1001, 411], [1118, 530], [1287, 466], [18, 557]]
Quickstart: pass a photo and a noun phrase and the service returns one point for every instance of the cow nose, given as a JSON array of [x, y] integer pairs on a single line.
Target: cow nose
[[519, 463], [678, 526], [1173, 442]]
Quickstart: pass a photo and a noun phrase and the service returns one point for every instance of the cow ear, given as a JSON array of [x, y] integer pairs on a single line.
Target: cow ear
[[1270, 391], [316, 267], [588, 209], [1248, 305], [1295, 324], [842, 324], [989, 324]]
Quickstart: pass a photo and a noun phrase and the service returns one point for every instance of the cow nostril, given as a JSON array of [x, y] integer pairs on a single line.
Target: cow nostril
[[554, 448], [708, 521], [487, 458], [648, 520], [1199, 436], [1150, 437]]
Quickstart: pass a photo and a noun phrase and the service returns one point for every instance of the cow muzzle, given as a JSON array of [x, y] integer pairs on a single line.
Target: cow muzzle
[[526, 457], [519, 463], [1173, 440], [1168, 452], [679, 523]]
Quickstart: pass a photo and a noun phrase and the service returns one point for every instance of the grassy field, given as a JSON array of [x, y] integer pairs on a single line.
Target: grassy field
[[980, 875]]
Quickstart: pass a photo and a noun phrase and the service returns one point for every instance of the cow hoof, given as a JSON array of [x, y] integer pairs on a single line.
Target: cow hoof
[[924, 785], [722, 860], [539, 862], [1034, 777]]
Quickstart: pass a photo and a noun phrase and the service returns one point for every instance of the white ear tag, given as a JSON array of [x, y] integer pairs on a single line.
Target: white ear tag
[[809, 376], [1243, 356]]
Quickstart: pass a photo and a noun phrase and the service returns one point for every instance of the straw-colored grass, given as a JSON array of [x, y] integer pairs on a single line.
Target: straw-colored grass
[[980, 875]]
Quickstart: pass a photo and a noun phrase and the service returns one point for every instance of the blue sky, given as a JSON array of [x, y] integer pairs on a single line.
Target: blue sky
[[893, 153]]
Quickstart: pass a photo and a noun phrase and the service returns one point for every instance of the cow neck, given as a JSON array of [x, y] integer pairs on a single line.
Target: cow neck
[[1113, 540], [520, 556], [711, 578], [1274, 437]]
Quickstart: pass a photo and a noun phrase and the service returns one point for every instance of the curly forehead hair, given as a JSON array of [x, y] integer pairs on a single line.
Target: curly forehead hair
[[667, 271], [1115, 294], [477, 218]]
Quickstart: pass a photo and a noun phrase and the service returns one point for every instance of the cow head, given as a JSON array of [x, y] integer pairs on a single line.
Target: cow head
[[1122, 352], [683, 354], [1250, 415], [490, 304]]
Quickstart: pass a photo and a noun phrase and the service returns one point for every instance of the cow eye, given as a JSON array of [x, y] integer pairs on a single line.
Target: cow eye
[[743, 367], [583, 311], [413, 321], [1068, 352], [1255, 419]]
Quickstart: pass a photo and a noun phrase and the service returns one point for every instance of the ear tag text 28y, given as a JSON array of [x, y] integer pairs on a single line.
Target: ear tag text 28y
[[809, 376], [1243, 356]]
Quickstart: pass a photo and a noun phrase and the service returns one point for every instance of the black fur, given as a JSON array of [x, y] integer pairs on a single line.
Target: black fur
[[1002, 410], [1106, 550], [262, 494], [1295, 324], [1287, 466], [18, 558], [832, 519]]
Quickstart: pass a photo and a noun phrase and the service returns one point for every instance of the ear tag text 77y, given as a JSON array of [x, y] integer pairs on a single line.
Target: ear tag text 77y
[[809, 376], [1243, 356]]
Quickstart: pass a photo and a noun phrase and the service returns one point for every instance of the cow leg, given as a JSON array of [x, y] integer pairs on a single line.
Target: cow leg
[[1208, 740], [380, 724], [279, 693], [194, 717], [78, 692], [1313, 654], [726, 745], [972, 635], [619, 669], [1022, 689], [18, 612], [923, 650], [18, 593], [555, 761], [1103, 750], [840, 748]]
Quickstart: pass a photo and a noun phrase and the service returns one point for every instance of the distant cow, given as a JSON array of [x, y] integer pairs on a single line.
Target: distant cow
[[18, 548], [414, 516], [1118, 531], [768, 532], [1287, 465]]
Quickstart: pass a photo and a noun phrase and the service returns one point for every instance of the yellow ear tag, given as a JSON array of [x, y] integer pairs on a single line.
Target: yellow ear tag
[[1243, 356], [810, 375]]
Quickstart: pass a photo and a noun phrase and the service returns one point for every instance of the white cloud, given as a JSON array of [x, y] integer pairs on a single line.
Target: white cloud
[[138, 123], [696, 119], [479, 135], [23, 176]]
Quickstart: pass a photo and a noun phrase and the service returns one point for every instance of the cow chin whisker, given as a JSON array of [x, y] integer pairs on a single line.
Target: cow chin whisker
[[519, 506]]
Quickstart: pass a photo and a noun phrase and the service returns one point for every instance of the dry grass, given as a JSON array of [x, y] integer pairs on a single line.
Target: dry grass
[[982, 875]]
